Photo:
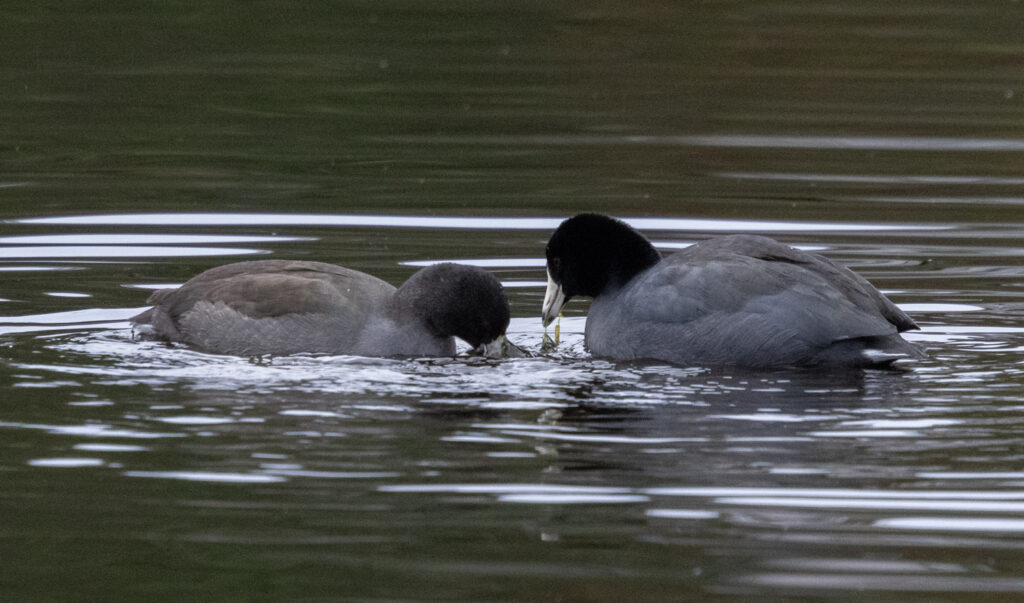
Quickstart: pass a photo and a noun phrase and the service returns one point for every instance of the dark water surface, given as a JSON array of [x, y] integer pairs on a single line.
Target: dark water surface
[[140, 145]]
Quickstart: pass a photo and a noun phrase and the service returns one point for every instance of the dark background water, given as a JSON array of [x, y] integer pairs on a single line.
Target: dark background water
[[143, 142]]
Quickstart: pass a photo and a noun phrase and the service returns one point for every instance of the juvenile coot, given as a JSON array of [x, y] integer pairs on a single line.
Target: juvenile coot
[[286, 307], [740, 300]]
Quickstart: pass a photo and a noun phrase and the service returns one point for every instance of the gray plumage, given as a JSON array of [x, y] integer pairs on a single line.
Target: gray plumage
[[738, 300], [284, 307]]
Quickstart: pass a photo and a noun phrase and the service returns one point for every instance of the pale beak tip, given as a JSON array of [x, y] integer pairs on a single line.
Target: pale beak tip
[[494, 349], [554, 299]]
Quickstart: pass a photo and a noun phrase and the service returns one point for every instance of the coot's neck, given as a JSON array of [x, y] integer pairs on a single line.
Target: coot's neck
[[412, 305], [627, 256]]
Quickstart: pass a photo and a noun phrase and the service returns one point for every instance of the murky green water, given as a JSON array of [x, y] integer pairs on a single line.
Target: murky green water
[[140, 145]]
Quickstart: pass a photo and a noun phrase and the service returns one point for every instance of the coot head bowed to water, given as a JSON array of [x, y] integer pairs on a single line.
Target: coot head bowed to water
[[287, 307], [738, 300]]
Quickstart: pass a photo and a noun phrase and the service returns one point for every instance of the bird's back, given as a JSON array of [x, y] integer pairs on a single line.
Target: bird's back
[[269, 307], [749, 301]]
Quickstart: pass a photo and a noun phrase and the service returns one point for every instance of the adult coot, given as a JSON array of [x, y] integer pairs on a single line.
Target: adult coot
[[286, 307], [739, 300]]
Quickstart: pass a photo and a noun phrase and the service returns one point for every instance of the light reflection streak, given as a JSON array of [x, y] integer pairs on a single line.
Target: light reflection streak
[[831, 493], [874, 178], [862, 582], [953, 524], [118, 251], [74, 316], [209, 476], [875, 504], [570, 499], [456, 222], [744, 141], [66, 463], [142, 239]]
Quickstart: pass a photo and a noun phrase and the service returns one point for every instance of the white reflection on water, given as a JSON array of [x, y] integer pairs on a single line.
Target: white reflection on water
[[5, 330], [24, 268], [682, 514], [210, 476], [295, 412], [299, 219], [797, 471], [67, 294], [196, 420], [968, 336], [864, 565], [152, 286], [73, 317], [816, 499], [601, 438], [571, 499], [67, 463], [772, 417], [971, 474], [953, 524], [91, 431], [298, 472], [874, 178], [103, 447], [458, 222], [674, 245], [903, 423], [796, 497], [874, 504], [972, 329], [974, 200], [865, 582], [479, 439], [72, 320], [484, 262], [142, 239], [118, 251], [939, 307], [868, 433], [746, 141], [523, 284], [520, 489], [835, 493]]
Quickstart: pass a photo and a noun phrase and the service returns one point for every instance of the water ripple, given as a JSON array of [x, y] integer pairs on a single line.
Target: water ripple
[[747, 141], [459, 222]]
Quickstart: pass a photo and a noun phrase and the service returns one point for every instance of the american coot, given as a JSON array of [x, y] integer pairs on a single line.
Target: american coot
[[286, 307], [739, 300]]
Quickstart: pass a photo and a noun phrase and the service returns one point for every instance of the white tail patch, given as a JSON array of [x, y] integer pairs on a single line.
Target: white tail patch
[[882, 356]]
